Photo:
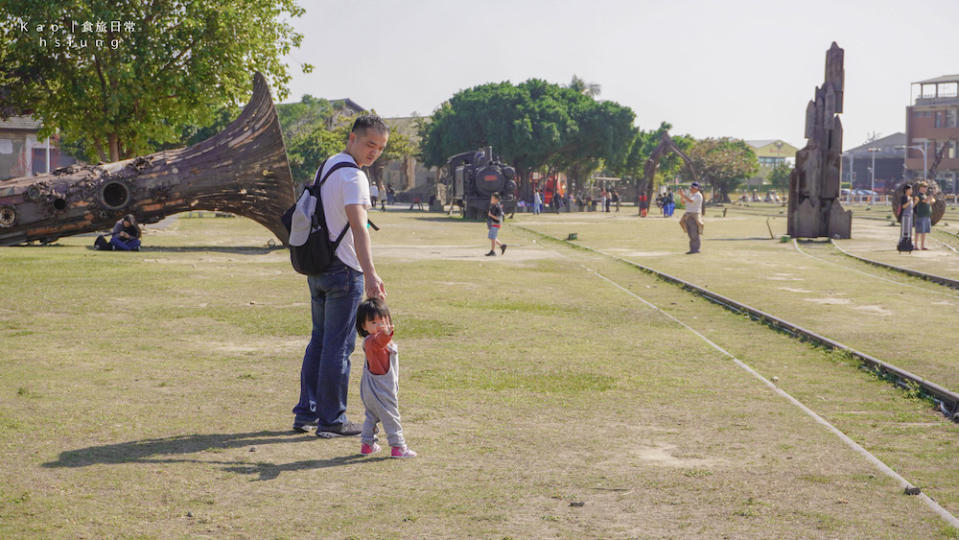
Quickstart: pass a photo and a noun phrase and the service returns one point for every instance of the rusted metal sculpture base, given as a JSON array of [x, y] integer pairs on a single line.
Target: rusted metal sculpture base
[[938, 207], [243, 170], [814, 207], [666, 145]]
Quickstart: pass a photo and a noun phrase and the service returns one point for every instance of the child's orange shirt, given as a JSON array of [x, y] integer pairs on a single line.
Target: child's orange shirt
[[377, 355]]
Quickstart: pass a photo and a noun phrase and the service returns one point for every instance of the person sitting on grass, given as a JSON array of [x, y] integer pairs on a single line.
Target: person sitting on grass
[[126, 236], [494, 219], [380, 381]]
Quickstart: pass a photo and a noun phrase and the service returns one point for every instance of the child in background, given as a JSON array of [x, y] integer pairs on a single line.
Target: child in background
[[494, 219], [379, 384]]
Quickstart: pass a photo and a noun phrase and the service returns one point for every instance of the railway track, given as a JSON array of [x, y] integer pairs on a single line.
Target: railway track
[[906, 485], [944, 281], [879, 213], [946, 401]]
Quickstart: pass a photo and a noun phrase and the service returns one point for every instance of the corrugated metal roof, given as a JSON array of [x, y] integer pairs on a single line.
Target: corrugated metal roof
[[759, 143], [405, 125], [20, 122], [349, 103], [943, 79], [886, 145]]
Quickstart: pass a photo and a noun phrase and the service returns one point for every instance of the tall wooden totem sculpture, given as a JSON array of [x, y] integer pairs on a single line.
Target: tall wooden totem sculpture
[[814, 206]]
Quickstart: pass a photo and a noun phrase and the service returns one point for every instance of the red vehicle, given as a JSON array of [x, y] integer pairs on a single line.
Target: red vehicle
[[553, 186]]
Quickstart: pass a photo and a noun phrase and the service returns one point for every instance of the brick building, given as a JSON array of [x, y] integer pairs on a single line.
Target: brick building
[[888, 154], [22, 154], [932, 124]]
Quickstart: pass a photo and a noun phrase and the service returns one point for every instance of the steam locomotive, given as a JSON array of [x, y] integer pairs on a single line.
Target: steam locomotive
[[471, 177]]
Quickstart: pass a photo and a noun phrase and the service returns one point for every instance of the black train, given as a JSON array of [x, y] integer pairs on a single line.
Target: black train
[[471, 177]]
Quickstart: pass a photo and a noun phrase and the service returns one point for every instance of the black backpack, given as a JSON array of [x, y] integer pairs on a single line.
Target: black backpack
[[316, 255]]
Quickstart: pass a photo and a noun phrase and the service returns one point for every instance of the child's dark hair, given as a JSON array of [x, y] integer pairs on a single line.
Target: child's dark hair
[[369, 309]]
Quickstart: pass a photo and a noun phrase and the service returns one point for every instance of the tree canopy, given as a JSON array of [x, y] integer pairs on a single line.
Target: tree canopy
[[121, 78], [313, 130], [779, 177], [723, 163], [531, 125]]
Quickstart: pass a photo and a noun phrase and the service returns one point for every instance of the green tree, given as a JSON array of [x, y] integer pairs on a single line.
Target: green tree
[[723, 163], [532, 125], [601, 138], [779, 177], [398, 148], [524, 124], [579, 85], [158, 67], [307, 148], [643, 145]]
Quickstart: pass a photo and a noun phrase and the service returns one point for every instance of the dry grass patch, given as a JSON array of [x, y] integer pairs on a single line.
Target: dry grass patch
[[543, 401]]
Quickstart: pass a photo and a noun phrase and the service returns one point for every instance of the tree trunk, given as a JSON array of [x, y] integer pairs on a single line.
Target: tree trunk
[[242, 170], [114, 142]]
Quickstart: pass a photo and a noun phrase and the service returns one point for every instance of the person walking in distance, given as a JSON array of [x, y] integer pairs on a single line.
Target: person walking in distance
[[691, 221], [494, 219], [336, 293]]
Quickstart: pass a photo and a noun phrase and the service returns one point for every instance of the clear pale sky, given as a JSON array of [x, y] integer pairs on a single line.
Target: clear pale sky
[[738, 68]]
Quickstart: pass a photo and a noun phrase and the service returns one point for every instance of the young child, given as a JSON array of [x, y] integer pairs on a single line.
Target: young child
[[494, 219], [380, 381]]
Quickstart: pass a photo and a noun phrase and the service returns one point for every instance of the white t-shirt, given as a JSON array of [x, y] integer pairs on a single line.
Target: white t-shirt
[[374, 191], [696, 206], [344, 187]]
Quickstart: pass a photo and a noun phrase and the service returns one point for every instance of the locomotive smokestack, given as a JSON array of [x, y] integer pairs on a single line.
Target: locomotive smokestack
[[489, 154]]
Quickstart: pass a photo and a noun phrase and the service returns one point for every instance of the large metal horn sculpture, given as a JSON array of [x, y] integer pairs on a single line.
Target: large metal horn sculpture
[[939, 198], [242, 170]]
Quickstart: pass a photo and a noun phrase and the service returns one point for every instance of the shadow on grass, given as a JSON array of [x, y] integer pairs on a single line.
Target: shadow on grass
[[269, 471], [435, 216], [741, 239], [160, 450], [237, 250]]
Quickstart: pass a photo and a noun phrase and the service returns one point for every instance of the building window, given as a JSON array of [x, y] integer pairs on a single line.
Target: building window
[[940, 119], [951, 115]]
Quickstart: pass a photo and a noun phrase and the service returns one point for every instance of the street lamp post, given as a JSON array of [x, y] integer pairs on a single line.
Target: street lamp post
[[925, 167], [872, 169]]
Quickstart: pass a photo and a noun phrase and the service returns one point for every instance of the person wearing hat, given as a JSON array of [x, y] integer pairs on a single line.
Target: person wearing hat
[[691, 222], [922, 208]]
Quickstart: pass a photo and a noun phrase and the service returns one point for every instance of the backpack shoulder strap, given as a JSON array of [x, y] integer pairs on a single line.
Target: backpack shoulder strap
[[317, 184], [341, 165]]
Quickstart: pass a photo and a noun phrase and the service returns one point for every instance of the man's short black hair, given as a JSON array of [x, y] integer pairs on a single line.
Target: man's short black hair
[[369, 121], [367, 311], [496, 196]]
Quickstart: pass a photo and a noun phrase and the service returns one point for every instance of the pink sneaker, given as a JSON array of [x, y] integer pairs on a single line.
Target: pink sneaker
[[367, 449], [402, 452]]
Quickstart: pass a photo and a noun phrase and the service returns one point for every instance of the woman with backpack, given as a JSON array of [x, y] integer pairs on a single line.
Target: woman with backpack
[[905, 220]]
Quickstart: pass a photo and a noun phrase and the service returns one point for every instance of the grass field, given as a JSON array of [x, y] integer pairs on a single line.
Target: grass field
[[148, 394]]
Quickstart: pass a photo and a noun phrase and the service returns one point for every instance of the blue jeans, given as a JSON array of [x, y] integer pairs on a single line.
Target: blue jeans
[[125, 244], [325, 375]]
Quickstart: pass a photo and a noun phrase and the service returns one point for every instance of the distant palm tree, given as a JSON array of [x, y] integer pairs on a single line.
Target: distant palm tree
[[581, 86]]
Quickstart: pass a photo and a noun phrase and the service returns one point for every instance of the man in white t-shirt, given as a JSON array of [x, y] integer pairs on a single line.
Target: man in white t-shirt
[[691, 220], [336, 293]]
